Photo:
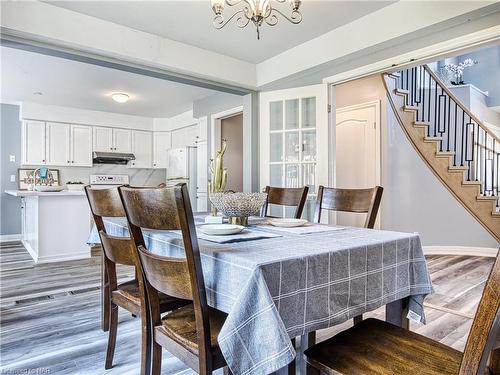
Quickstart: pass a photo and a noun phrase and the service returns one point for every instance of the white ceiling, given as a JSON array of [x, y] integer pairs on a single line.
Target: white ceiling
[[190, 22], [74, 84]]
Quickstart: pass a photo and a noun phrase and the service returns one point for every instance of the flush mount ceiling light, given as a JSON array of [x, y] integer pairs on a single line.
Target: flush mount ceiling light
[[257, 11], [120, 97]]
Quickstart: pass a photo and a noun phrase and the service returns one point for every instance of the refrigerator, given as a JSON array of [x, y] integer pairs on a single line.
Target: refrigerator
[[181, 167]]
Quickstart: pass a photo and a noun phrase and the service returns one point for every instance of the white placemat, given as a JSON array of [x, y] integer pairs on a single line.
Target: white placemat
[[246, 235], [305, 229]]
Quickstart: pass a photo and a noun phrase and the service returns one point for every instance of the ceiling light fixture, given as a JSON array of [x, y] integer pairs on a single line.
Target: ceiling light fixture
[[257, 11], [120, 97]]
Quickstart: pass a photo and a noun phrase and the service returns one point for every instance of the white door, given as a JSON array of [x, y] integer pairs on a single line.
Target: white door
[[122, 140], [142, 148], [33, 139], [81, 146], [294, 141], [161, 145], [357, 150], [102, 139], [58, 144]]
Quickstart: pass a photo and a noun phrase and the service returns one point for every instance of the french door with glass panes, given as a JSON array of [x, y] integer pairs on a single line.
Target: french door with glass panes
[[294, 142]]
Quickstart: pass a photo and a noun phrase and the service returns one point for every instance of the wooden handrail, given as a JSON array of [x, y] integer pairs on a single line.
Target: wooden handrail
[[462, 105]]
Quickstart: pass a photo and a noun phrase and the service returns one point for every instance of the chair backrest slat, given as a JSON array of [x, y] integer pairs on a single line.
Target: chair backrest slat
[[119, 250], [350, 200], [105, 202], [481, 333], [286, 197]]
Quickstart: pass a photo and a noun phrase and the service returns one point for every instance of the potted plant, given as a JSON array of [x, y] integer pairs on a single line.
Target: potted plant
[[75, 185]]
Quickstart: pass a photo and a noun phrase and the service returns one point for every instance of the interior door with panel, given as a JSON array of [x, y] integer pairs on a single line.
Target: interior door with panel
[[102, 139], [57, 143], [357, 152], [142, 148], [122, 140], [162, 142], [294, 142], [81, 146], [33, 147]]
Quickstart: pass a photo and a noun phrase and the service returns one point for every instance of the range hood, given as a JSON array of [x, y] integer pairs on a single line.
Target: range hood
[[111, 157]]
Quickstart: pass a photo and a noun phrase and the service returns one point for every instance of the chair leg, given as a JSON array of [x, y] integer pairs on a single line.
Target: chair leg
[[156, 359], [145, 348], [113, 327], [292, 366]]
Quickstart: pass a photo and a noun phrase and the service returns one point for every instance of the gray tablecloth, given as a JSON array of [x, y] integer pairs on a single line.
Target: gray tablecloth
[[277, 288]]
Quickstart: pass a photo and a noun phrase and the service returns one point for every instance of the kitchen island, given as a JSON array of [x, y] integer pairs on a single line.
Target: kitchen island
[[55, 225]]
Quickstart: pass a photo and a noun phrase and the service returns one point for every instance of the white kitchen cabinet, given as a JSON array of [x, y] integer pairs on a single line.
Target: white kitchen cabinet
[[202, 129], [112, 139], [142, 148], [57, 136], [162, 142], [81, 146], [187, 136], [202, 167], [202, 202], [33, 143], [102, 139], [122, 140]]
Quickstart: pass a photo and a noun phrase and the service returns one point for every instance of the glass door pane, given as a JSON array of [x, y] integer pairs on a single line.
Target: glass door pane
[[276, 177], [309, 176], [276, 115], [309, 112], [292, 146], [276, 145], [292, 114], [309, 145], [292, 175]]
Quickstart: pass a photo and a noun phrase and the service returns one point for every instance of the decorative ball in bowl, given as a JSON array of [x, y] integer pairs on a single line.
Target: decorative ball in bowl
[[238, 206]]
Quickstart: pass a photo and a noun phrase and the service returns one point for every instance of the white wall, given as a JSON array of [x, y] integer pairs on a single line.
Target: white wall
[[414, 200]]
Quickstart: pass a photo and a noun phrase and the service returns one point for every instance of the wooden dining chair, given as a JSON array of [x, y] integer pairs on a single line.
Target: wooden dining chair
[[129, 295], [190, 332], [286, 197], [376, 347], [349, 200]]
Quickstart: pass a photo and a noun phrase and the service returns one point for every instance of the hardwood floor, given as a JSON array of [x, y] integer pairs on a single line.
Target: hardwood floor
[[50, 313]]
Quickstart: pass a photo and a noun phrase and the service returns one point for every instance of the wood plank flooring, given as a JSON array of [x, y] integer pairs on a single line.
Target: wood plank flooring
[[50, 314]]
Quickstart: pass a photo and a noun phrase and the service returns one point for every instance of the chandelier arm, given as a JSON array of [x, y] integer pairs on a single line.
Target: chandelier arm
[[234, 2], [219, 22], [295, 18]]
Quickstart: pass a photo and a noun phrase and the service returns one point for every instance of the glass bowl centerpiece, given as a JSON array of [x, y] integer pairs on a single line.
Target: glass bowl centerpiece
[[238, 206]]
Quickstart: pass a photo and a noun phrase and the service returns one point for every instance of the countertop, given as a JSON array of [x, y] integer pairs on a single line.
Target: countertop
[[27, 193]]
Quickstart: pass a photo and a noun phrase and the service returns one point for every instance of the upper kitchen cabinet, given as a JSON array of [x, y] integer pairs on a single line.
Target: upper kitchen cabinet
[[161, 143], [33, 143], [112, 139], [57, 137], [81, 146], [122, 140], [187, 136], [142, 148]]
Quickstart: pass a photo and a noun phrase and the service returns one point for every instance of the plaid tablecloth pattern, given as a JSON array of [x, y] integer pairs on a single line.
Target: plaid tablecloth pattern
[[277, 288]]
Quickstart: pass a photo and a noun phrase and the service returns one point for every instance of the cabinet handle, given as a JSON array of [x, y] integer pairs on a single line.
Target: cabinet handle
[[69, 162], [111, 148], [73, 161]]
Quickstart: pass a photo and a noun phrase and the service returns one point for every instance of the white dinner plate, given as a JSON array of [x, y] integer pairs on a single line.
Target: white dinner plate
[[287, 223], [220, 229]]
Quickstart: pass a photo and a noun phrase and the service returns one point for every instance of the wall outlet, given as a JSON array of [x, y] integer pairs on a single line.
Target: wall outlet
[[12, 178], [12, 158]]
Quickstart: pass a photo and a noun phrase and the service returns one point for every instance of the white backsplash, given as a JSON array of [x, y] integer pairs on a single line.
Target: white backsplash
[[138, 177]]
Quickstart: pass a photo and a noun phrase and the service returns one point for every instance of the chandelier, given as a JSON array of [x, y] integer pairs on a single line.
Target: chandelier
[[257, 11]]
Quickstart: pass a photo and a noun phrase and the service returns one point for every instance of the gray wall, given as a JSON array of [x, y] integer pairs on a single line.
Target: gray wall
[[414, 200], [221, 102], [10, 143]]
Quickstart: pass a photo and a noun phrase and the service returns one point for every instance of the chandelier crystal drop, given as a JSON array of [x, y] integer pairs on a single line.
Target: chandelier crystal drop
[[257, 11]]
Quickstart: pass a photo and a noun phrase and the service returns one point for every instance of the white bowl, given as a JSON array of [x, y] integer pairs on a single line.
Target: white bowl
[[287, 223], [220, 229], [47, 188]]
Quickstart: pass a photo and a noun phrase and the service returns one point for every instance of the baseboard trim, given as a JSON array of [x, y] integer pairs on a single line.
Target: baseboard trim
[[10, 237], [461, 251]]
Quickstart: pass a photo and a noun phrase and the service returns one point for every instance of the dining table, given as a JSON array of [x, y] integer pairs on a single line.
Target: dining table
[[276, 283]]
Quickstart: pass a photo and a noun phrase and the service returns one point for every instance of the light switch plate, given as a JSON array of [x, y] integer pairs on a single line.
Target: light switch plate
[[12, 158], [12, 178]]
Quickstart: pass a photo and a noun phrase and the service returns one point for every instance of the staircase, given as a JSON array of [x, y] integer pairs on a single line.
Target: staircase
[[462, 152]]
